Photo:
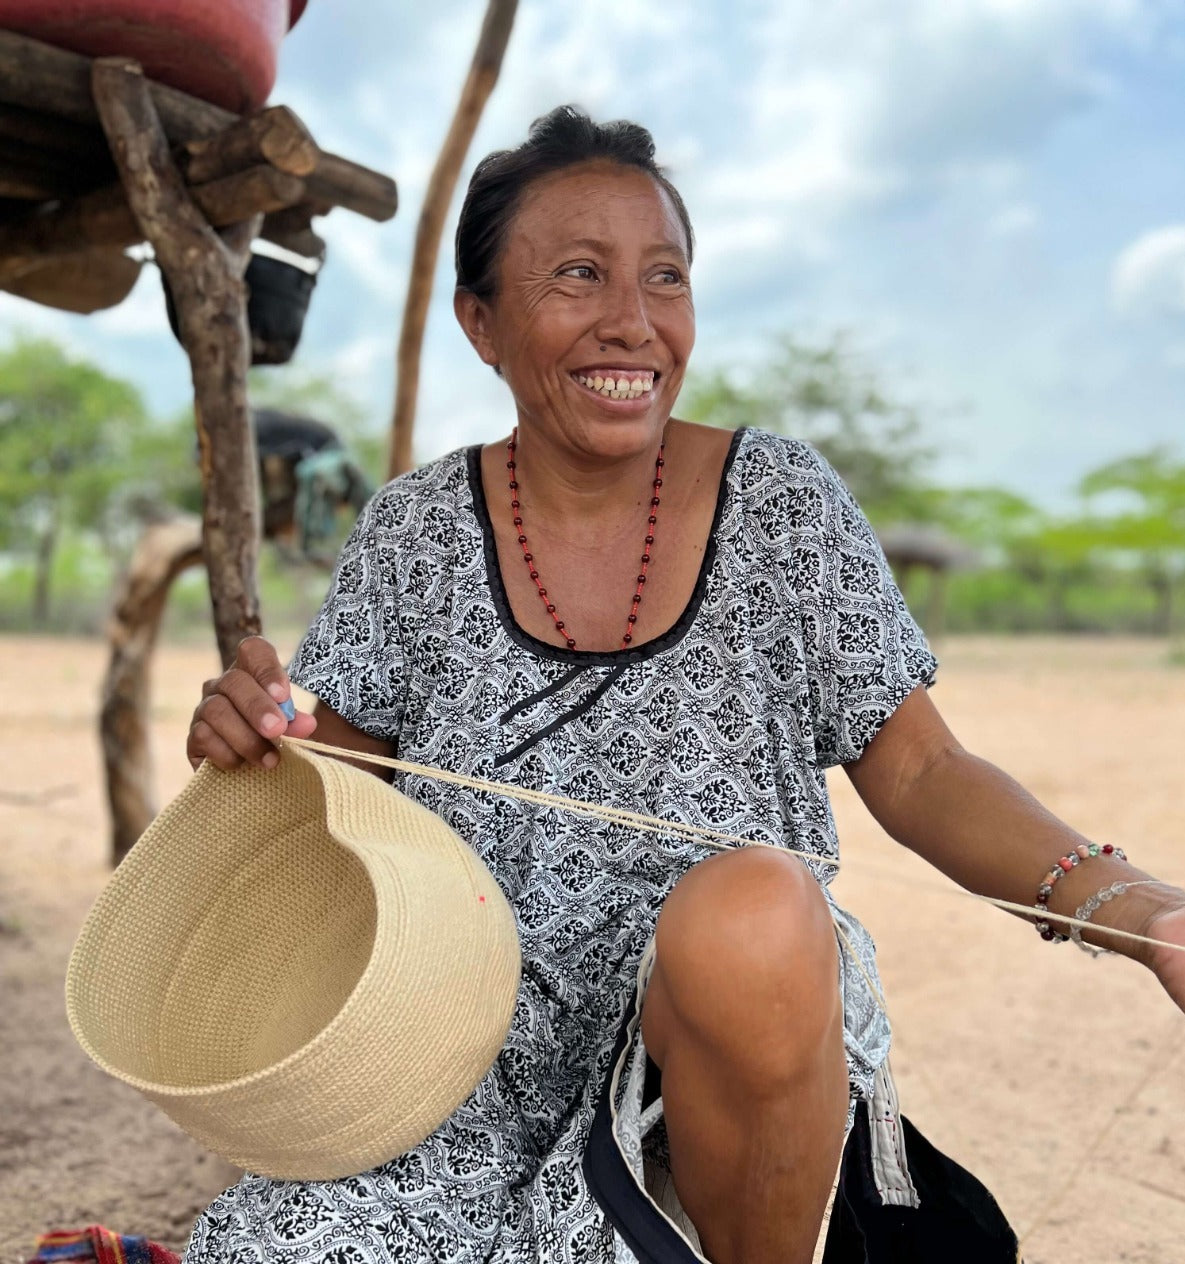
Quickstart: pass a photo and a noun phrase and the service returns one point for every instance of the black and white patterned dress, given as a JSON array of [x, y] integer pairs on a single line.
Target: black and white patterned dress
[[794, 649]]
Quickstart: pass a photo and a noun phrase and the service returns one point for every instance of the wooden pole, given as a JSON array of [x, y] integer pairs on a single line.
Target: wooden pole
[[205, 273], [163, 552], [483, 75]]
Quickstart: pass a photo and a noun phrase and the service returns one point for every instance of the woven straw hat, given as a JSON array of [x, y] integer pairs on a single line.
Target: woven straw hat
[[306, 970]]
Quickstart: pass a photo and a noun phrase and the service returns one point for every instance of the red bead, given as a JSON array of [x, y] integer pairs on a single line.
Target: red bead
[[633, 618], [522, 539], [518, 522], [1107, 849], [658, 482], [542, 592], [534, 574], [627, 638], [560, 624], [510, 465], [649, 539], [655, 501], [645, 557], [1065, 864], [551, 609], [652, 520], [660, 463], [571, 643], [528, 557], [641, 579], [515, 505], [513, 485]]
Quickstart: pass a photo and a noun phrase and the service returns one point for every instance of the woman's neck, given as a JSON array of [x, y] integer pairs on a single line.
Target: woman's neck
[[572, 492]]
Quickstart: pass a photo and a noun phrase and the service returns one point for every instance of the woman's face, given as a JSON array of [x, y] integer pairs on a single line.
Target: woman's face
[[592, 322]]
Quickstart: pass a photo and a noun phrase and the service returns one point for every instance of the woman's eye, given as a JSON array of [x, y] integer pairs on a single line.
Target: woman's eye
[[669, 276], [581, 271]]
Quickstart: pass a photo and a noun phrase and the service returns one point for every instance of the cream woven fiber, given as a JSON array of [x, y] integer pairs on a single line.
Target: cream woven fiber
[[298, 966]]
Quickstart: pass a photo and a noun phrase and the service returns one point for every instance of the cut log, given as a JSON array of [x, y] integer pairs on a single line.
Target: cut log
[[53, 81], [81, 283], [292, 229], [275, 136], [163, 552], [104, 218], [205, 273], [49, 133]]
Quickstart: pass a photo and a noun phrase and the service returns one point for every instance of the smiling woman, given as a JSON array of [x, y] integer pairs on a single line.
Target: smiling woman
[[697, 1065]]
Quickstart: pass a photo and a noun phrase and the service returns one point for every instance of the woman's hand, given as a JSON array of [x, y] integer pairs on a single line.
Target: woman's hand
[[239, 719], [1167, 964]]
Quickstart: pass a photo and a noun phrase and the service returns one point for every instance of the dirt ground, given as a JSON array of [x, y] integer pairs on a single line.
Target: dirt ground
[[1055, 1078]]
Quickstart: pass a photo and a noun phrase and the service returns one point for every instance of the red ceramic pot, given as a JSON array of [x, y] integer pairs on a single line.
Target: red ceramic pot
[[220, 50]]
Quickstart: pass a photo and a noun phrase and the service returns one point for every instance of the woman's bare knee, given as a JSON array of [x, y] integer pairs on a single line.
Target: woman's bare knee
[[746, 965]]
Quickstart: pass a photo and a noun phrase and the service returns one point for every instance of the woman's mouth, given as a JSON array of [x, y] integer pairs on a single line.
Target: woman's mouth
[[617, 383]]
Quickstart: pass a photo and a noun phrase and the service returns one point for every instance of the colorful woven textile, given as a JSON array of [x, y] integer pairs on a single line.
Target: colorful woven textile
[[94, 1243]]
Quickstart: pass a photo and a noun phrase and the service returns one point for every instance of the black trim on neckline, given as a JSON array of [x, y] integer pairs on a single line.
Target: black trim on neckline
[[588, 658]]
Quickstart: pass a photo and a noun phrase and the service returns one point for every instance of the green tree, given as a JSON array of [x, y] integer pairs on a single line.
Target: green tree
[[827, 394], [1146, 521], [67, 433]]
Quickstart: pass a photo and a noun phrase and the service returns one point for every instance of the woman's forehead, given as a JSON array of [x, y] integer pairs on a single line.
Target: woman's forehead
[[595, 203]]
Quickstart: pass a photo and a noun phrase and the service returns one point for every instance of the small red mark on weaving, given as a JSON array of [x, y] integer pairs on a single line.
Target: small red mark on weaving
[[481, 899]]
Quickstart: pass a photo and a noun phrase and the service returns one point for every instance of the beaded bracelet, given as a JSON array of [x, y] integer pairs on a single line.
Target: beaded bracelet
[[1084, 851], [1092, 906]]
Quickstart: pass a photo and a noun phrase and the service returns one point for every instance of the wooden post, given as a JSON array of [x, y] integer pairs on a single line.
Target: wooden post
[[163, 552], [205, 273], [483, 75]]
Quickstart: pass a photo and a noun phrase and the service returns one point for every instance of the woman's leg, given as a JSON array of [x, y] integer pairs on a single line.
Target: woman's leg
[[743, 1015]]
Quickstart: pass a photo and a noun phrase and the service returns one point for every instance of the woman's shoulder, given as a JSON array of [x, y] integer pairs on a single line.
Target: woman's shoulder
[[437, 481], [764, 452]]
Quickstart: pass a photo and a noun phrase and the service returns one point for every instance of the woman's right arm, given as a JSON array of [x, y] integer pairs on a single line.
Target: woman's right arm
[[239, 720]]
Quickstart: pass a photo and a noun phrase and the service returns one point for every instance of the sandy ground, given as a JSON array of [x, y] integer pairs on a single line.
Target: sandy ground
[[1057, 1079]]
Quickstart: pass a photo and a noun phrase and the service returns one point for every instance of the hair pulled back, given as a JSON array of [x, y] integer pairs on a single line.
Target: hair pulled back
[[563, 138]]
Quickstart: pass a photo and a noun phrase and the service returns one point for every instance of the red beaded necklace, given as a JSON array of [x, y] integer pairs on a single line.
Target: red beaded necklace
[[529, 558]]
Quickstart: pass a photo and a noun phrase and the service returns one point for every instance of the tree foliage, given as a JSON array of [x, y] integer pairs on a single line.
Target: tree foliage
[[827, 394], [67, 432]]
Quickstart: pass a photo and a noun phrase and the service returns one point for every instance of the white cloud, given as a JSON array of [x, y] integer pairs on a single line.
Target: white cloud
[[1148, 276], [1012, 220]]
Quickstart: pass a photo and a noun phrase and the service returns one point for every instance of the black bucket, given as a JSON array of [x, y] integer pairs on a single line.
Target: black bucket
[[278, 296]]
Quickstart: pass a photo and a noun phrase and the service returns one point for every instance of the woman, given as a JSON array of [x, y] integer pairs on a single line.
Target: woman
[[615, 605]]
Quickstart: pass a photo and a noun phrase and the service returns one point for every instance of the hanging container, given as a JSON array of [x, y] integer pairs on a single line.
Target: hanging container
[[222, 51], [278, 294]]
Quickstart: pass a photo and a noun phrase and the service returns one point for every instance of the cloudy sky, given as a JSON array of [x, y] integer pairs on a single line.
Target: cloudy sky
[[989, 194]]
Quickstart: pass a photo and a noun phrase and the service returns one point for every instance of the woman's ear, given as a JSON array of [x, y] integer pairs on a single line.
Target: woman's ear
[[473, 315]]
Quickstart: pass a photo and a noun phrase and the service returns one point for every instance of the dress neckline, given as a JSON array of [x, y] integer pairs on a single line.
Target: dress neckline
[[589, 658]]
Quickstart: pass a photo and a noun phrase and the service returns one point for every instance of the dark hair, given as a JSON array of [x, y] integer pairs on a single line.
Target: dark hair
[[563, 138]]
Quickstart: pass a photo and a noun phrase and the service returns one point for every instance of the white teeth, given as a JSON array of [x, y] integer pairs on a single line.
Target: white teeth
[[618, 388]]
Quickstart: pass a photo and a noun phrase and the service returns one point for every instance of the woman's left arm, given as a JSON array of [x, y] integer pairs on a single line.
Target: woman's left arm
[[976, 824]]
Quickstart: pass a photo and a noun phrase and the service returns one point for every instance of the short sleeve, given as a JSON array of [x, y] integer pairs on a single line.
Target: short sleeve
[[351, 656], [864, 651]]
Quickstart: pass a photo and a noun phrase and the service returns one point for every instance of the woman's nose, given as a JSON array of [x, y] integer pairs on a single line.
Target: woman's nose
[[624, 318]]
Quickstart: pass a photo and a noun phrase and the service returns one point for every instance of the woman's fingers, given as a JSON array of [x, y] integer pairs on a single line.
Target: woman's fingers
[[240, 725], [244, 712], [204, 743], [259, 660]]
